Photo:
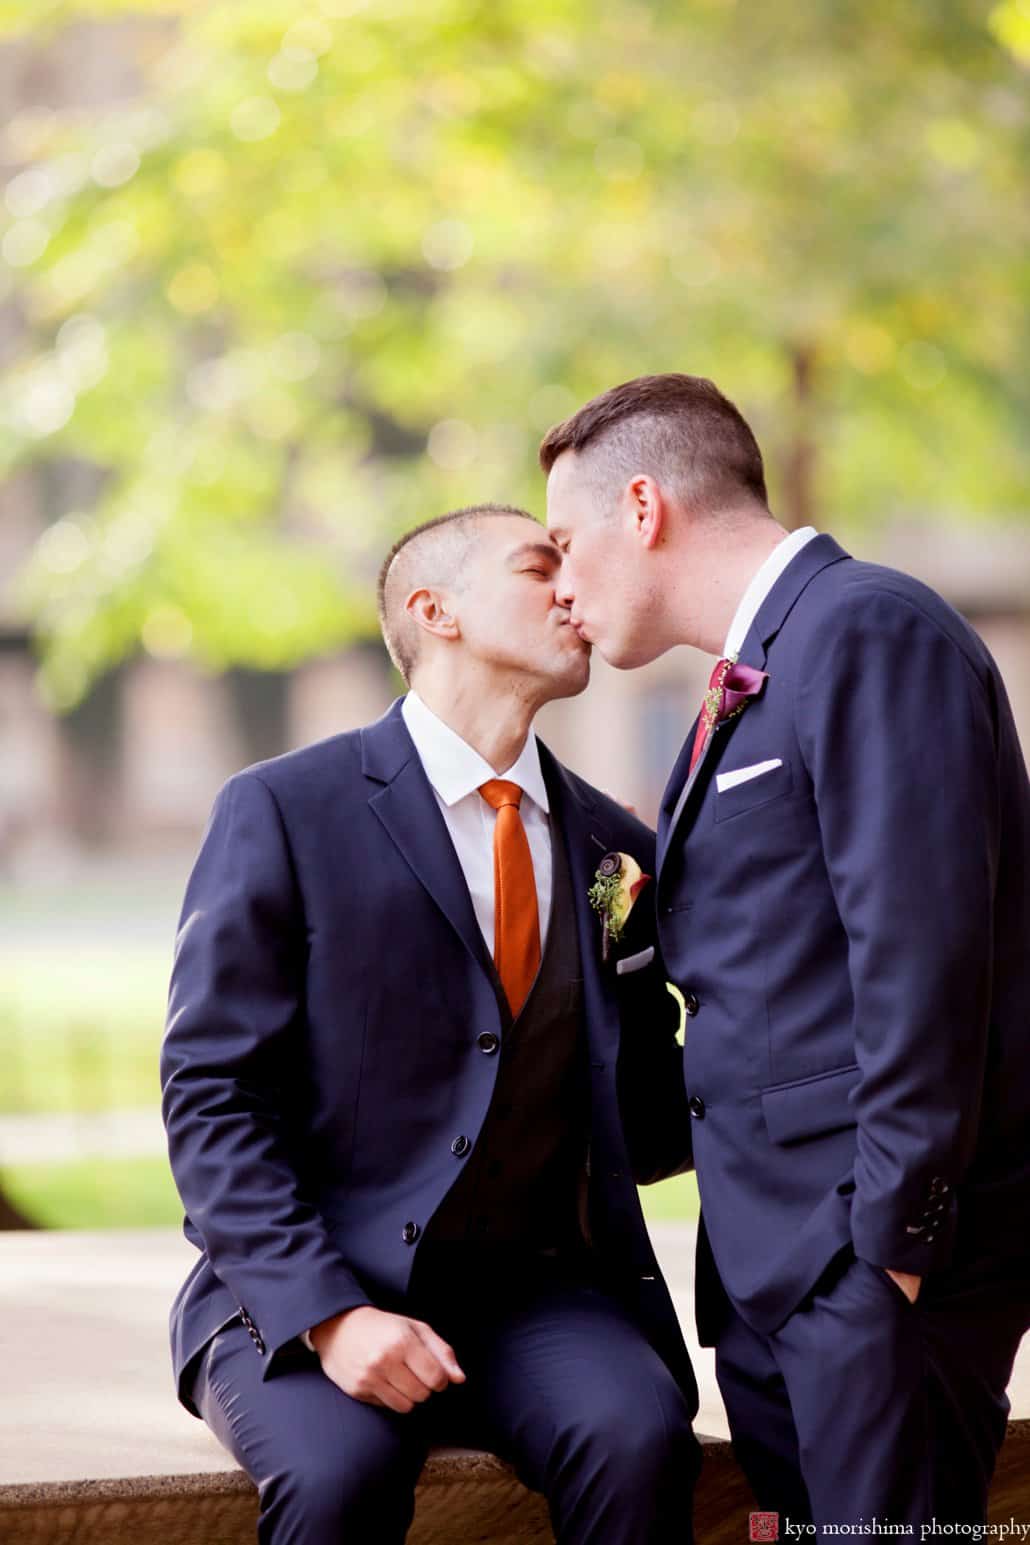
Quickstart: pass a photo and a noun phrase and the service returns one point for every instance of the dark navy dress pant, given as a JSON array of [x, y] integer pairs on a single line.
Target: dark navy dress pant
[[559, 1381], [864, 1406]]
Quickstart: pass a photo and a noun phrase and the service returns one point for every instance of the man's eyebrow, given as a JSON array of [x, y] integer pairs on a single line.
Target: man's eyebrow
[[534, 550]]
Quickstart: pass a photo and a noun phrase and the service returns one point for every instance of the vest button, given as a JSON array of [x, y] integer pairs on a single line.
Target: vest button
[[409, 1233], [690, 1003], [697, 1107], [460, 1146], [487, 1042]]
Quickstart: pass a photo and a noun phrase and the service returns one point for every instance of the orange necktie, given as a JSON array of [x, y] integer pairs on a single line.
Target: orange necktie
[[516, 919]]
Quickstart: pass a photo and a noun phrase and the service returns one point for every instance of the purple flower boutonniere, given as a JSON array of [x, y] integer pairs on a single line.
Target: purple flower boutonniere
[[617, 884], [730, 690]]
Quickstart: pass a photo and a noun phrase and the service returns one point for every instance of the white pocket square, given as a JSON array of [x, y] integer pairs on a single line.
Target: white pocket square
[[634, 962], [729, 780]]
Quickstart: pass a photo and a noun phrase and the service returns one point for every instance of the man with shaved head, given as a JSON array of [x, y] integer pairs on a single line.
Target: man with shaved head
[[410, 1080]]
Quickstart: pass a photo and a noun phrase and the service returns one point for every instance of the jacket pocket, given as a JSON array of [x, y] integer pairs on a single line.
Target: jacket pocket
[[753, 792], [810, 1107]]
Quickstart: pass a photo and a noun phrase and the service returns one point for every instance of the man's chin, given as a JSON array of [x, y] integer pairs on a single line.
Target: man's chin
[[627, 654], [573, 680]]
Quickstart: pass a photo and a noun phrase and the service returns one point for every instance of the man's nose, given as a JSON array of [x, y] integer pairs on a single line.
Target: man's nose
[[564, 594]]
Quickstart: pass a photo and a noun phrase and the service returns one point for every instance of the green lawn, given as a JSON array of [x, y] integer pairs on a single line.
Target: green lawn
[[95, 1193], [671, 1201], [139, 1193], [80, 1028]]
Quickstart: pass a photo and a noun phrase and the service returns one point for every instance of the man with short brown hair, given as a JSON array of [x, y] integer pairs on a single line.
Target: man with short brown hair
[[843, 897]]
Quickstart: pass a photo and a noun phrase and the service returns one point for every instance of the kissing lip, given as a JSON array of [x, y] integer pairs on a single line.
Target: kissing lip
[[568, 623]]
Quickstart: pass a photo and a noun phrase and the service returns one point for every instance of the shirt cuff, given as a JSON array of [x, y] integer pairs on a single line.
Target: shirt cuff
[[305, 1336]]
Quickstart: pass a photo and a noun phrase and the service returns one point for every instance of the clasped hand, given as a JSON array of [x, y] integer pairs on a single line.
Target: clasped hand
[[385, 1359]]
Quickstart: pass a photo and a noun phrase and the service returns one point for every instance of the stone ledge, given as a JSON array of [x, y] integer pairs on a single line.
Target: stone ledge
[[88, 1359], [463, 1494]]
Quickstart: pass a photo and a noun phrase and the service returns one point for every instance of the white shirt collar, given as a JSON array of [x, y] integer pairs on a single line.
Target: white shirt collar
[[760, 586], [456, 769]]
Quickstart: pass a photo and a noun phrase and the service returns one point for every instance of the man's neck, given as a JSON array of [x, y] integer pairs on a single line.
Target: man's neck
[[715, 575], [494, 723]]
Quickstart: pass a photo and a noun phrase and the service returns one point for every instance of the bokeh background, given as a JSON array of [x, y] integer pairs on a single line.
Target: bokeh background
[[281, 277]]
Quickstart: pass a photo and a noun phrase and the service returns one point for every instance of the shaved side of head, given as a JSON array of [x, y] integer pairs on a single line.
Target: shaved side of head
[[678, 429], [432, 555]]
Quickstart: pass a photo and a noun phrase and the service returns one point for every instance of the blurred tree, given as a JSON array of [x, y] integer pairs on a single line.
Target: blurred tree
[[339, 264]]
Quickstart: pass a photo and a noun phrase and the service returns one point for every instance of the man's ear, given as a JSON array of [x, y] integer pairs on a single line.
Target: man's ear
[[647, 509], [428, 610]]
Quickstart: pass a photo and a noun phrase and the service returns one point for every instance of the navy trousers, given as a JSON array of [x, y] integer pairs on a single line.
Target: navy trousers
[[863, 1405], [559, 1381]]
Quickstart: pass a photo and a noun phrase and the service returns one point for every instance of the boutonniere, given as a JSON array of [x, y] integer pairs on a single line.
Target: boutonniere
[[617, 884], [730, 690]]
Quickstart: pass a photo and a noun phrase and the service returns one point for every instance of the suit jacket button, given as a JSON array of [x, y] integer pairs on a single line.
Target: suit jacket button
[[487, 1042], [409, 1233], [460, 1146], [690, 1003], [697, 1106]]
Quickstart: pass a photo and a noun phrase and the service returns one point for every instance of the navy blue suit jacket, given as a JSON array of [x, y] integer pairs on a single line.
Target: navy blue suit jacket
[[328, 1035], [854, 924]]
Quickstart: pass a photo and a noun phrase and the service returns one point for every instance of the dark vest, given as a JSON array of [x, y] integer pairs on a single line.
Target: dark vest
[[520, 1182]]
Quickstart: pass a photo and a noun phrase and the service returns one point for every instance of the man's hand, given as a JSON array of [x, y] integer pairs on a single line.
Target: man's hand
[[907, 1282], [384, 1359]]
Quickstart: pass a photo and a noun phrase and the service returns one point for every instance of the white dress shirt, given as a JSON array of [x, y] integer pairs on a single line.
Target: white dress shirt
[[760, 586], [455, 772]]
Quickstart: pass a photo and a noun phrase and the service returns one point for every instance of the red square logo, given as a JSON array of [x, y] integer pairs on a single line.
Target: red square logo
[[763, 1526]]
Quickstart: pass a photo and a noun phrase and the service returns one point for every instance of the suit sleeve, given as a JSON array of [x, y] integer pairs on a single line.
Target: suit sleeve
[[234, 1006], [897, 729]]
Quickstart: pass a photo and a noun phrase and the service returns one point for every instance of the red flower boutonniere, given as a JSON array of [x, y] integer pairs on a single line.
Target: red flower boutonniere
[[617, 884]]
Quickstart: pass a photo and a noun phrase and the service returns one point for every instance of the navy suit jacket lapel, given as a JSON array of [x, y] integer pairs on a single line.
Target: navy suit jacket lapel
[[577, 820], [816, 555], [403, 800], [674, 787]]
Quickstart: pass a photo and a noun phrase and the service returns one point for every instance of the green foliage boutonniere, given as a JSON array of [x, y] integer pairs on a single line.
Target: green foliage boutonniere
[[617, 884]]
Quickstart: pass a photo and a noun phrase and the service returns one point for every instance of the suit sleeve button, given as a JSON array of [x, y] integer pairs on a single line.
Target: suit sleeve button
[[460, 1146], [409, 1233], [696, 1106], [690, 1003]]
